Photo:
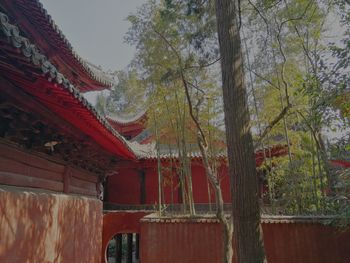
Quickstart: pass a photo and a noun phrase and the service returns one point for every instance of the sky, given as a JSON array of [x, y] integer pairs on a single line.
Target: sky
[[96, 28]]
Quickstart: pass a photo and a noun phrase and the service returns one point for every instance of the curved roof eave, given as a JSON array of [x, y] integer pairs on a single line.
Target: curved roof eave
[[127, 120], [43, 23], [80, 112]]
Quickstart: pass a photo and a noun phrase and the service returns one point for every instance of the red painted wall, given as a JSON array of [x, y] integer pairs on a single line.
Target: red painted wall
[[151, 184], [307, 243], [192, 241], [200, 184], [125, 179], [46, 227], [124, 188], [175, 242]]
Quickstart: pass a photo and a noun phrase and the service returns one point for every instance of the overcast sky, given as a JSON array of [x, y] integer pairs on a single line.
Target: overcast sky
[[96, 28]]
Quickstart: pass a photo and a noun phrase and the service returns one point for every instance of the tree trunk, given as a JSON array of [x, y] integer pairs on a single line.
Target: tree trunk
[[244, 184]]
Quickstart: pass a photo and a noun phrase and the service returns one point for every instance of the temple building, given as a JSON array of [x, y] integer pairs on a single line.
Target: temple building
[[55, 148], [72, 182]]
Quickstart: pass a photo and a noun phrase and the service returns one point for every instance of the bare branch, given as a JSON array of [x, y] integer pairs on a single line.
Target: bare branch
[[285, 84], [204, 66], [295, 18], [261, 15], [185, 84], [264, 79], [169, 44], [257, 10], [195, 87], [275, 121], [194, 119]]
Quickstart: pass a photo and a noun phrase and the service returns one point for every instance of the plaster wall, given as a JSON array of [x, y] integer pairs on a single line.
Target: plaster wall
[[125, 187], [42, 227], [200, 241]]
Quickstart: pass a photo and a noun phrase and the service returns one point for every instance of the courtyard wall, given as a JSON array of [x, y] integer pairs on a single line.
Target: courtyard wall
[[287, 240], [39, 226]]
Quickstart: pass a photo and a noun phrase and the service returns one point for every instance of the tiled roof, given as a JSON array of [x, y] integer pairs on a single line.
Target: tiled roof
[[125, 119], [97, 72], [142, 136], [39, 17], [31, 52], [268, 219], [143, 151], [154, 218], [149, 152]]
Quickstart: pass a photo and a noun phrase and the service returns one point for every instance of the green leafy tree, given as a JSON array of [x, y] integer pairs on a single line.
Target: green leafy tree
[[292, 103], [176, 66]]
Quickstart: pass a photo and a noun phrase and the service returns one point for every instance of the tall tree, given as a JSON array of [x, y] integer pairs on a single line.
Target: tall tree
[[294, 106], [171, 57], [244, 183]]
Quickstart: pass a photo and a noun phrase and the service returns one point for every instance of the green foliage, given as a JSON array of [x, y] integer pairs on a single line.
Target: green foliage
[[298, 183], [175, 42], [339, 203], [167, 37], [288, 69], [101, 102], [128, 94]]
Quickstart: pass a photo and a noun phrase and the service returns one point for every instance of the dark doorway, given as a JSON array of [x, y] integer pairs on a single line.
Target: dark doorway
[[124, 248]]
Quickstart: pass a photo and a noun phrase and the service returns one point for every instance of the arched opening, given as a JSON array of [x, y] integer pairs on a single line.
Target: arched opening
[[123, 248], [119, 222]]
